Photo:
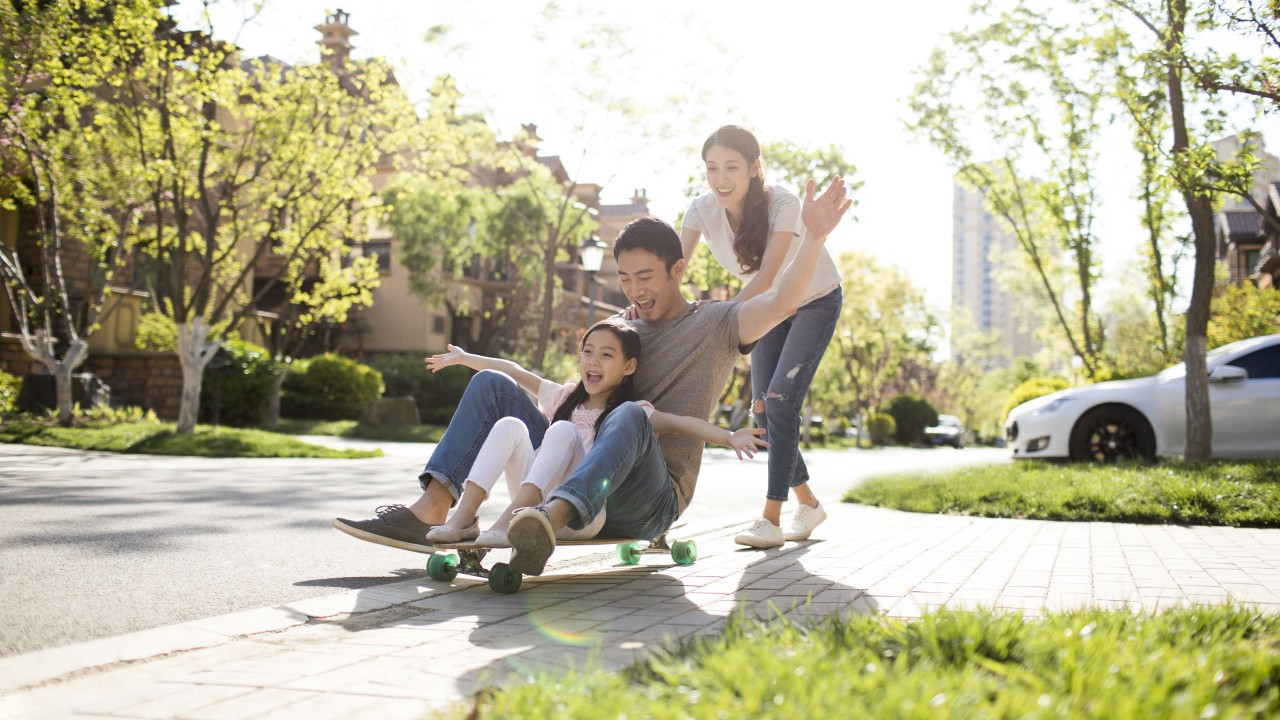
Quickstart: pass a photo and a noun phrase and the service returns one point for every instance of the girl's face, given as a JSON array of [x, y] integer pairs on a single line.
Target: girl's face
[[729, 175], [602, 363]]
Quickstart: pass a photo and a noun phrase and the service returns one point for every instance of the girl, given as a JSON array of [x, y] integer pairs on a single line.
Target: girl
[[607, 362], [752, 230]]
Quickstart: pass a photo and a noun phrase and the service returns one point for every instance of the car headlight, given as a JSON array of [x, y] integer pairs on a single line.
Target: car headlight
[[1054, 406]]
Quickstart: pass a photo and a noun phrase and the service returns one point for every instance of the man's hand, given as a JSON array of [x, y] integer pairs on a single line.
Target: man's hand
[[454, 356], [821, 215]]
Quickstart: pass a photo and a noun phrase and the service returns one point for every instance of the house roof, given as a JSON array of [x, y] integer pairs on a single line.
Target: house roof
[[635, 208], [1242, 225]]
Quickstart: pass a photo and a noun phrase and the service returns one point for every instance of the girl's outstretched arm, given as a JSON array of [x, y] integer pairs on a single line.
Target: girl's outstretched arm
[[457, 356], [743, 440]]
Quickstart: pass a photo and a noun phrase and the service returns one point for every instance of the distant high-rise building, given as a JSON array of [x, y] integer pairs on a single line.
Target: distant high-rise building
[[974, 289]]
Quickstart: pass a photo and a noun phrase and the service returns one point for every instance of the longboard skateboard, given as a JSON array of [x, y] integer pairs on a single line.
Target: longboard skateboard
[[466, 558]]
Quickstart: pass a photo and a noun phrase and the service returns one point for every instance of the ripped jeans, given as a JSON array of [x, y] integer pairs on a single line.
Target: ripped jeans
[[782, 367]]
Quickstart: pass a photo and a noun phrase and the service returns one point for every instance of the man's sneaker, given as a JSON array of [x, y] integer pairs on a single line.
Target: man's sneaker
[[804, 521], [532, 540], [763, 534], [395, 526]]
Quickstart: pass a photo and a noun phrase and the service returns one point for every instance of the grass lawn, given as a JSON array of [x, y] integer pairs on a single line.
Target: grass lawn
[[354, 429], [1240, 494], [1191, 663], [158, 438]]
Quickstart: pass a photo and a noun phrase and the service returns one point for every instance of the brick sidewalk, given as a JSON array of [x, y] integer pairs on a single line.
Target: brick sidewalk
[[410, 646]]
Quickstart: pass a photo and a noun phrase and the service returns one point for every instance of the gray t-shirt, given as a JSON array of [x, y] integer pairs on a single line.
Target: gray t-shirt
[[684, 364]]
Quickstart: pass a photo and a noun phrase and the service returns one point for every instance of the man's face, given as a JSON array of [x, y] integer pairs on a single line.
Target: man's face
[[651, 289]]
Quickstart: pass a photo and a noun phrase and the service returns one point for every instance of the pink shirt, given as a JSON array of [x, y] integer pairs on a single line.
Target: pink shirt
[[550, 397]]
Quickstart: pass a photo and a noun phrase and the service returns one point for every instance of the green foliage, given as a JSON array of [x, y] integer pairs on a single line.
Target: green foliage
[[911, 415], [437, 394], [105, 415], [881, 427], [329, 387], [885, 330], [1243, 310], [1031, 389], [1240, 494], [148, 437], [791, 166], [10, 386], [244, 388], [1182, 663], [155, 331]]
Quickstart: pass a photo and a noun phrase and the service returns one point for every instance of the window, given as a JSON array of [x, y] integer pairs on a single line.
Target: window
[[382, 250], [437, 324], [1261, 364], [1251, 261]]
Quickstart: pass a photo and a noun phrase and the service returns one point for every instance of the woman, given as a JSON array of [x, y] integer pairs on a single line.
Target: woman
[[753, 230]]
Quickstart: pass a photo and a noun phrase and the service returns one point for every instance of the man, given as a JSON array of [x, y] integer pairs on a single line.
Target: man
[[689, 349]]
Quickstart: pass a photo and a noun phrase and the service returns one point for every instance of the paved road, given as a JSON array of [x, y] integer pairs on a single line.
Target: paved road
[[94, 545]]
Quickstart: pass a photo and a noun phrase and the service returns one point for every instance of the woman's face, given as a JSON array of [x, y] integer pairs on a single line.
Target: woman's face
[[729, 175]]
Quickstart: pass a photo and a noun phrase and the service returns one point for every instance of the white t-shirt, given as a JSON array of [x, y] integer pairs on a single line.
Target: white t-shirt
[[552, 394], [707, 217]]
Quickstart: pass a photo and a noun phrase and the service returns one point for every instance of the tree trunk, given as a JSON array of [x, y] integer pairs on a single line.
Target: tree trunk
[[548, 298], [273, 403], [194, 353], [1199, 437]]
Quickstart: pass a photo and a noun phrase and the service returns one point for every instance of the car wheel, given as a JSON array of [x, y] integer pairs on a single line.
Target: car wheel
[[1110, 433]]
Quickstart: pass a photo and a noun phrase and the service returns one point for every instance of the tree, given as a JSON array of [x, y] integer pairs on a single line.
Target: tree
[[1039, 103], [261, 185], [62, 165], [884, 328], [1197, 174], [1240, 311]]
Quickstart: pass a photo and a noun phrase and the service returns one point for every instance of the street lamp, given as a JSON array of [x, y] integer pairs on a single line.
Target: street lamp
[[592, 255]]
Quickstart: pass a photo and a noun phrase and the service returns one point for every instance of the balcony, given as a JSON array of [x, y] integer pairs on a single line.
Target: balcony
[[1268, 259]]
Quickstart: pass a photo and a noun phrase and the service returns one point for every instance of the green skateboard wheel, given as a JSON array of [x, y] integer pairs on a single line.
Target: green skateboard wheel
[[684, 552], [442, 567], [504, 579], [629, 553]]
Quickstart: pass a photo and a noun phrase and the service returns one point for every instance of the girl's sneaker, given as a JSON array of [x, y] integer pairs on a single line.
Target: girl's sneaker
[[762, 534], [493, 539], [445, 535], [804, 521], [532, 540]]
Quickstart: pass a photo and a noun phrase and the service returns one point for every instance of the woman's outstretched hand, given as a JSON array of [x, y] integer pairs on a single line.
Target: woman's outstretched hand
[[822, 214], [746, 440], [454, 355]]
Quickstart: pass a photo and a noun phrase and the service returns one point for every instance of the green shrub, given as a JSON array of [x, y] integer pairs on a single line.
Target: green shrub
[[10, 386], [244, 388], [329, 387], [881, 428], [155, 331], [911, 415], [1031, 389], [437, 394]]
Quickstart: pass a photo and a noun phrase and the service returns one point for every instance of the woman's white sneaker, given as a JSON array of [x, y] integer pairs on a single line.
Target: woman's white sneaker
[[762, 534], [804, 521]]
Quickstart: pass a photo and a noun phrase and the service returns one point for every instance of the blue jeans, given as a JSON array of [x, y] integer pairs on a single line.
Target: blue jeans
[[489, 396], [624, 470], [782, 368]]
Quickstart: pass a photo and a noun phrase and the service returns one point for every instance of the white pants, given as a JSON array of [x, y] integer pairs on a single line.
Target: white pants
[[509, 451]]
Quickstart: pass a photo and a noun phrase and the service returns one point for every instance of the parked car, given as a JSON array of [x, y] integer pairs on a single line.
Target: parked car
[[948, 431], [1146, 417]]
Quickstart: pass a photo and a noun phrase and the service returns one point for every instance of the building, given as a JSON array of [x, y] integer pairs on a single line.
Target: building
[[977, 237], [1247, 239]]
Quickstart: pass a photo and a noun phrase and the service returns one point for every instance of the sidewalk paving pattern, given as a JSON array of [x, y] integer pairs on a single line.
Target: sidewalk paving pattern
[[399, 650]]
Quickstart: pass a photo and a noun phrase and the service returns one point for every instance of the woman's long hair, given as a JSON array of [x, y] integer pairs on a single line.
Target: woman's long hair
[[753, 231], [626, 390]]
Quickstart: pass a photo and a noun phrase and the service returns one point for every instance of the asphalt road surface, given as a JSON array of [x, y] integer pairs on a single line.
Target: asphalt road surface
[[95, 545]]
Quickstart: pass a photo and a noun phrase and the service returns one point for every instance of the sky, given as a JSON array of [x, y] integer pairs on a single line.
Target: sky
[[816, 74]]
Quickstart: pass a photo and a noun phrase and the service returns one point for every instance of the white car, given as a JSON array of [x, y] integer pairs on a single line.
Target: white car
[[1146, 417]]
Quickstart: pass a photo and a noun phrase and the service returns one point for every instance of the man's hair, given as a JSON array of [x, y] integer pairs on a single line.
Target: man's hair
[[653, 235]]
